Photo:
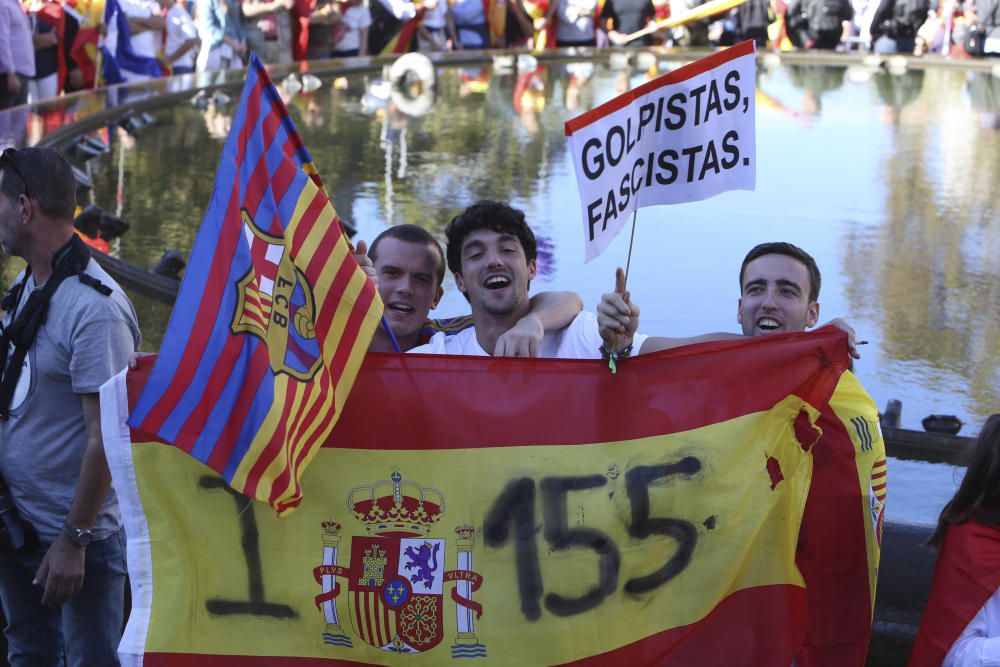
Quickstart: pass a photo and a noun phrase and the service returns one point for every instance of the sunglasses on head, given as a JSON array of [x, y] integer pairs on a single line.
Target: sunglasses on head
[[7, 158]]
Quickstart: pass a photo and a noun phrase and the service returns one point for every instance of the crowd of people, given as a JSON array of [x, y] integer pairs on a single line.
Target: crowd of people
[[47, 46]]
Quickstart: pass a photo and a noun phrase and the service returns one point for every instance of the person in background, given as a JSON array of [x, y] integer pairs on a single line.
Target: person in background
[[961, 623], [819, 24], [752, 19], [223, 43], [268, 28], [573, 21], [628, 16], [47, 22], [146, 23], [895, 24], [467, 27], [17, 55], [432, 35], [351, 33], [182, 41]]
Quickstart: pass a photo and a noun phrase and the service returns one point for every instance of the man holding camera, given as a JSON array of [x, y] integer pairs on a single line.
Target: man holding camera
[[66, 329]]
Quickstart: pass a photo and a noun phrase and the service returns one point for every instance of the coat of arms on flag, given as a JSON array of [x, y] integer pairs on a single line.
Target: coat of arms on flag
[[275, 303], [397, 574]]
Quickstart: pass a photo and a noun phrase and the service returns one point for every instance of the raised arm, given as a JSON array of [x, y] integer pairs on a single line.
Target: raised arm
[[618, 320]]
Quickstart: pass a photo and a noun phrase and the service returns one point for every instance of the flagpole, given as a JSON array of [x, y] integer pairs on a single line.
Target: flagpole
[[631, 241], [388, 332]]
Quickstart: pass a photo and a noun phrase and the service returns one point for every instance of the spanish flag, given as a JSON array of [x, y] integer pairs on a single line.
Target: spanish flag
[[504, 511], [273, 317]]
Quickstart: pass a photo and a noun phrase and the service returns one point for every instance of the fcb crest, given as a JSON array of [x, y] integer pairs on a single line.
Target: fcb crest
[[275, 303], [396, 578]]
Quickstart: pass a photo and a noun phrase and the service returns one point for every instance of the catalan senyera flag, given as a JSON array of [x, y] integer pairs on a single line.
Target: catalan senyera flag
[[504, 511], [273, 316]]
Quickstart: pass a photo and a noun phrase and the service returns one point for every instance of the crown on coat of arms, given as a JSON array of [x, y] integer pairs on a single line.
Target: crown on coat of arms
[[396, 507]]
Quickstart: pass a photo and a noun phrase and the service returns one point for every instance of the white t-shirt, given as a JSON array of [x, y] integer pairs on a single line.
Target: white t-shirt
[[979, 643], [579, 340], [355, 18], [180, 28], [576, 20], [147, 42], [434, 17]]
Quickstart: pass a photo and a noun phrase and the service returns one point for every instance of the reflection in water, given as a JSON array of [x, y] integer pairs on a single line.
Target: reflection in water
[[815, 81], [896, 91], [931, 272], [915, 253]]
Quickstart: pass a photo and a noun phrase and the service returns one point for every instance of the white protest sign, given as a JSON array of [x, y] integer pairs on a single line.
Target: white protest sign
[[683, 137]]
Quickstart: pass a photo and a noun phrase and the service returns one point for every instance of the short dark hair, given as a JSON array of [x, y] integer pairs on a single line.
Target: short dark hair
[[49, 180], [496, 216], [789, 250], [411, 234], [978, 496]]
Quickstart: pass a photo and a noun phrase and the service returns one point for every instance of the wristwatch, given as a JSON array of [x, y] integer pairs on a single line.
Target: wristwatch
[[81, 537]]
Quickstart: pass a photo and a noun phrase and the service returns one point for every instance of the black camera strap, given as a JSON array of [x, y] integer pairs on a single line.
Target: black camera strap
[[70, 260]]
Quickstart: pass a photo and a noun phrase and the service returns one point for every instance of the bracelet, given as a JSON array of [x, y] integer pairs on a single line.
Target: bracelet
[[613, 357]]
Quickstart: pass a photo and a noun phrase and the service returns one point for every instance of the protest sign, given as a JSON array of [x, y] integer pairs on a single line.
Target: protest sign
[[683, 137]]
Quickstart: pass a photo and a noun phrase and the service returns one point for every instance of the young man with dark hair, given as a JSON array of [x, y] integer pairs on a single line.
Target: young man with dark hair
[[66, 329], [408, 266], [492, 252], [779, 292]]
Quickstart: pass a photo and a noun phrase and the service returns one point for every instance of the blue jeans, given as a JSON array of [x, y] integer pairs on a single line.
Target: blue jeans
[[87, 628], [886, 45]]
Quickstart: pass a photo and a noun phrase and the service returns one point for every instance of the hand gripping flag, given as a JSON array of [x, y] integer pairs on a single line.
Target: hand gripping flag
[[273, 317]]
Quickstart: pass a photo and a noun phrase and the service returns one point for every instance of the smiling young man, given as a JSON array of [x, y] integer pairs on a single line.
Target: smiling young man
[[408, 266], [779, 290], [492, 252], [844, 512]]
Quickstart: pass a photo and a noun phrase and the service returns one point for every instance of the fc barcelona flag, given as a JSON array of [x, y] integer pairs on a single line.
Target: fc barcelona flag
[[503, 512], [273, 318]]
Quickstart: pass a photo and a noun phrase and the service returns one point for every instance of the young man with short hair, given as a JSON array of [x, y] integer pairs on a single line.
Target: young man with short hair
[[779, 293], [408, 266], [492, 253]]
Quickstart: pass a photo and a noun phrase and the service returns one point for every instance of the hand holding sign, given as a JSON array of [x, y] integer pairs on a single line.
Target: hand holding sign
[[617, 316]]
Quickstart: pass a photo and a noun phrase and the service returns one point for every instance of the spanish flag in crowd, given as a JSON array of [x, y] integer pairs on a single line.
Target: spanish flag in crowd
[[273, 317], [510, 512]]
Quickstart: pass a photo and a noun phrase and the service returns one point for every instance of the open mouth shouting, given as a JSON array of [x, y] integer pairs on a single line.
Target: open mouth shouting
[[496, 281]]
